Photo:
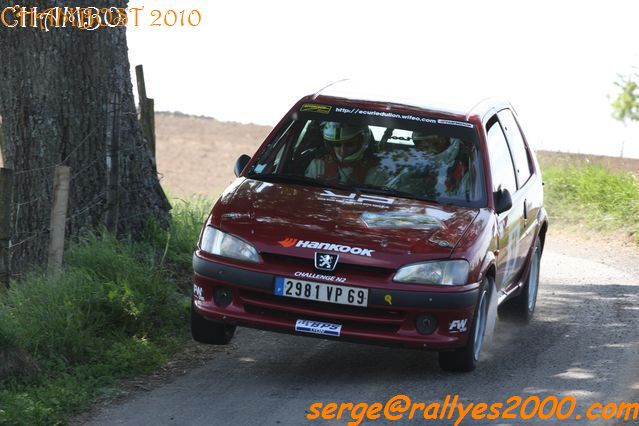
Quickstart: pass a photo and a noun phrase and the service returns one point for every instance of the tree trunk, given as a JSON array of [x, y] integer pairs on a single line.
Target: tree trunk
[[57, 93]]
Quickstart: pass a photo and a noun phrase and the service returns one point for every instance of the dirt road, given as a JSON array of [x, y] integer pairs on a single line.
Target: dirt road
[[584, 342]]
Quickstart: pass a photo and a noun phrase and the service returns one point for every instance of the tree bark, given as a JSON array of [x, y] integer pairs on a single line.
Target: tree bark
[[56, 93]]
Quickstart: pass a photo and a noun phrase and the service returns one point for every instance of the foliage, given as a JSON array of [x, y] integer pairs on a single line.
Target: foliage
[[116, 311], [626, 105], [178, 243]]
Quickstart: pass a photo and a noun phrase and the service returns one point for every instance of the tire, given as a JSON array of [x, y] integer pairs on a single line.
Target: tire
[[211, 333], [522, 307], [465, 359]]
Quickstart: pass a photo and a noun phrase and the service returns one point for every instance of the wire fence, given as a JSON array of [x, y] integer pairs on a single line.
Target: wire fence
[[99, 184]]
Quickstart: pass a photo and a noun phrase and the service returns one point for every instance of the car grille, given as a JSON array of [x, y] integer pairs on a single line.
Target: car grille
[[358, 317]]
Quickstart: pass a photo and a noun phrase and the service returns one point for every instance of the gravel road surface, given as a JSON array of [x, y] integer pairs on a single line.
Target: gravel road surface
[[584, 342]]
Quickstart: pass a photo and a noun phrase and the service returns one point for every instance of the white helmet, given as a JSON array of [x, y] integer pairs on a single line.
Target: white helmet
[[335, 132]]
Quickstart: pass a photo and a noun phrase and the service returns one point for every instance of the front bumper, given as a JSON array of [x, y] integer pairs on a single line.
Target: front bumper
[[255, 305]]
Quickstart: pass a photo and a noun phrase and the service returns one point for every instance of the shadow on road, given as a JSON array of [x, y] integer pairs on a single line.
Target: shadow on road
[[577, 344], [583, 342]]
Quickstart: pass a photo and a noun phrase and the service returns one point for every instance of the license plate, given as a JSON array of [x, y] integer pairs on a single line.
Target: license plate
[[317, 327], [321, 292]]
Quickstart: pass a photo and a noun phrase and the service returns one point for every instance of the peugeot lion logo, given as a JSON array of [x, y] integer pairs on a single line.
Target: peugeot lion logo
[[325, 261]]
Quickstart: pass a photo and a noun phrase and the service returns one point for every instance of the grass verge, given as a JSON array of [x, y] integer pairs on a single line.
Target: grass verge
[[590, 194], [118, 310]]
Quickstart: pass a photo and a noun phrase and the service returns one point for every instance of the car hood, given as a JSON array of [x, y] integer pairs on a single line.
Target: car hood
[[365, 229]]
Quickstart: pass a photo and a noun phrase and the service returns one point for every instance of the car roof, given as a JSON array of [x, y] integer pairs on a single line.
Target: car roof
[[459, 103]]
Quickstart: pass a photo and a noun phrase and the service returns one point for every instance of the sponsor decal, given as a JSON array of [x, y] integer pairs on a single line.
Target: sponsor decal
[[385, 114], [410, 117], [317, 327], [388, 299], [456, 123], [234, 216], [355, 198], [198, 292], [457, 326], [287, 242], [440, 242], [334, 247], [326, 261], [513, 248], [314, 276], [341, 248], [400, 220], [322, 109]]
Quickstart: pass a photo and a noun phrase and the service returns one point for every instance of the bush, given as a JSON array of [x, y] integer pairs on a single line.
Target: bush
[[115, 311], [178, 243]]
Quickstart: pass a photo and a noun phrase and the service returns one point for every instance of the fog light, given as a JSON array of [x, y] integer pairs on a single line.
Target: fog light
[[222, 296], [426, 323]]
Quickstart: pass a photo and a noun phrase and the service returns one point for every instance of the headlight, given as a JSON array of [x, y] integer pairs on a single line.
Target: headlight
[[220, 243], [445, 272]]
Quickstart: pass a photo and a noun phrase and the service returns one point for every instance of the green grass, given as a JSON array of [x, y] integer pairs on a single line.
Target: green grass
[[592, 195], [119, 309]]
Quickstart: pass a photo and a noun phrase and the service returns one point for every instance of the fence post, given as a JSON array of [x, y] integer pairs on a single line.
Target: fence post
[[1, 139], [147, 112], [6, 198], [113, 166], [58, 217]]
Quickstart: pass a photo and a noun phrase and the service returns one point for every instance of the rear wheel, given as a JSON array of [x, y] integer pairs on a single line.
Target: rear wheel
[[465, 359], [522, 307], [208, 332]]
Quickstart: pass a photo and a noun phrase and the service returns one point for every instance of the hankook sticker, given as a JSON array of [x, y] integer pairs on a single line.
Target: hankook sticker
[[317, 245]]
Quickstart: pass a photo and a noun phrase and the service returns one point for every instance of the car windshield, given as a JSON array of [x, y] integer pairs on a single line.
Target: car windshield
[[376, 151]]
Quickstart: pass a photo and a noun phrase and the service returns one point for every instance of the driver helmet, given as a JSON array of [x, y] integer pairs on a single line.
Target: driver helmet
[[347, 141]]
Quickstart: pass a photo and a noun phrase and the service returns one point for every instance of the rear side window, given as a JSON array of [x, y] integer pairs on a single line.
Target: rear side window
[[501, 165], [517, 146]]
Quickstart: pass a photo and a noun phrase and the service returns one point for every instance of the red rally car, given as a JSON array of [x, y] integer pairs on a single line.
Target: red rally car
[[376, 220]]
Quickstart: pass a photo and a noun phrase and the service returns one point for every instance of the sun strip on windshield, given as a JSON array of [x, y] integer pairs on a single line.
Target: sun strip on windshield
[[326, 109]]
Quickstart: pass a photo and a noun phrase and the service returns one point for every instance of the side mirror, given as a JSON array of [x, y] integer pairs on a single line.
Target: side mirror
[[240, 164], [503, 201]]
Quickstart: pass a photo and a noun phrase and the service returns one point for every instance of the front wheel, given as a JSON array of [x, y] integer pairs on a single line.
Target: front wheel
[[211, 333], [522, 307], [465, 359]]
